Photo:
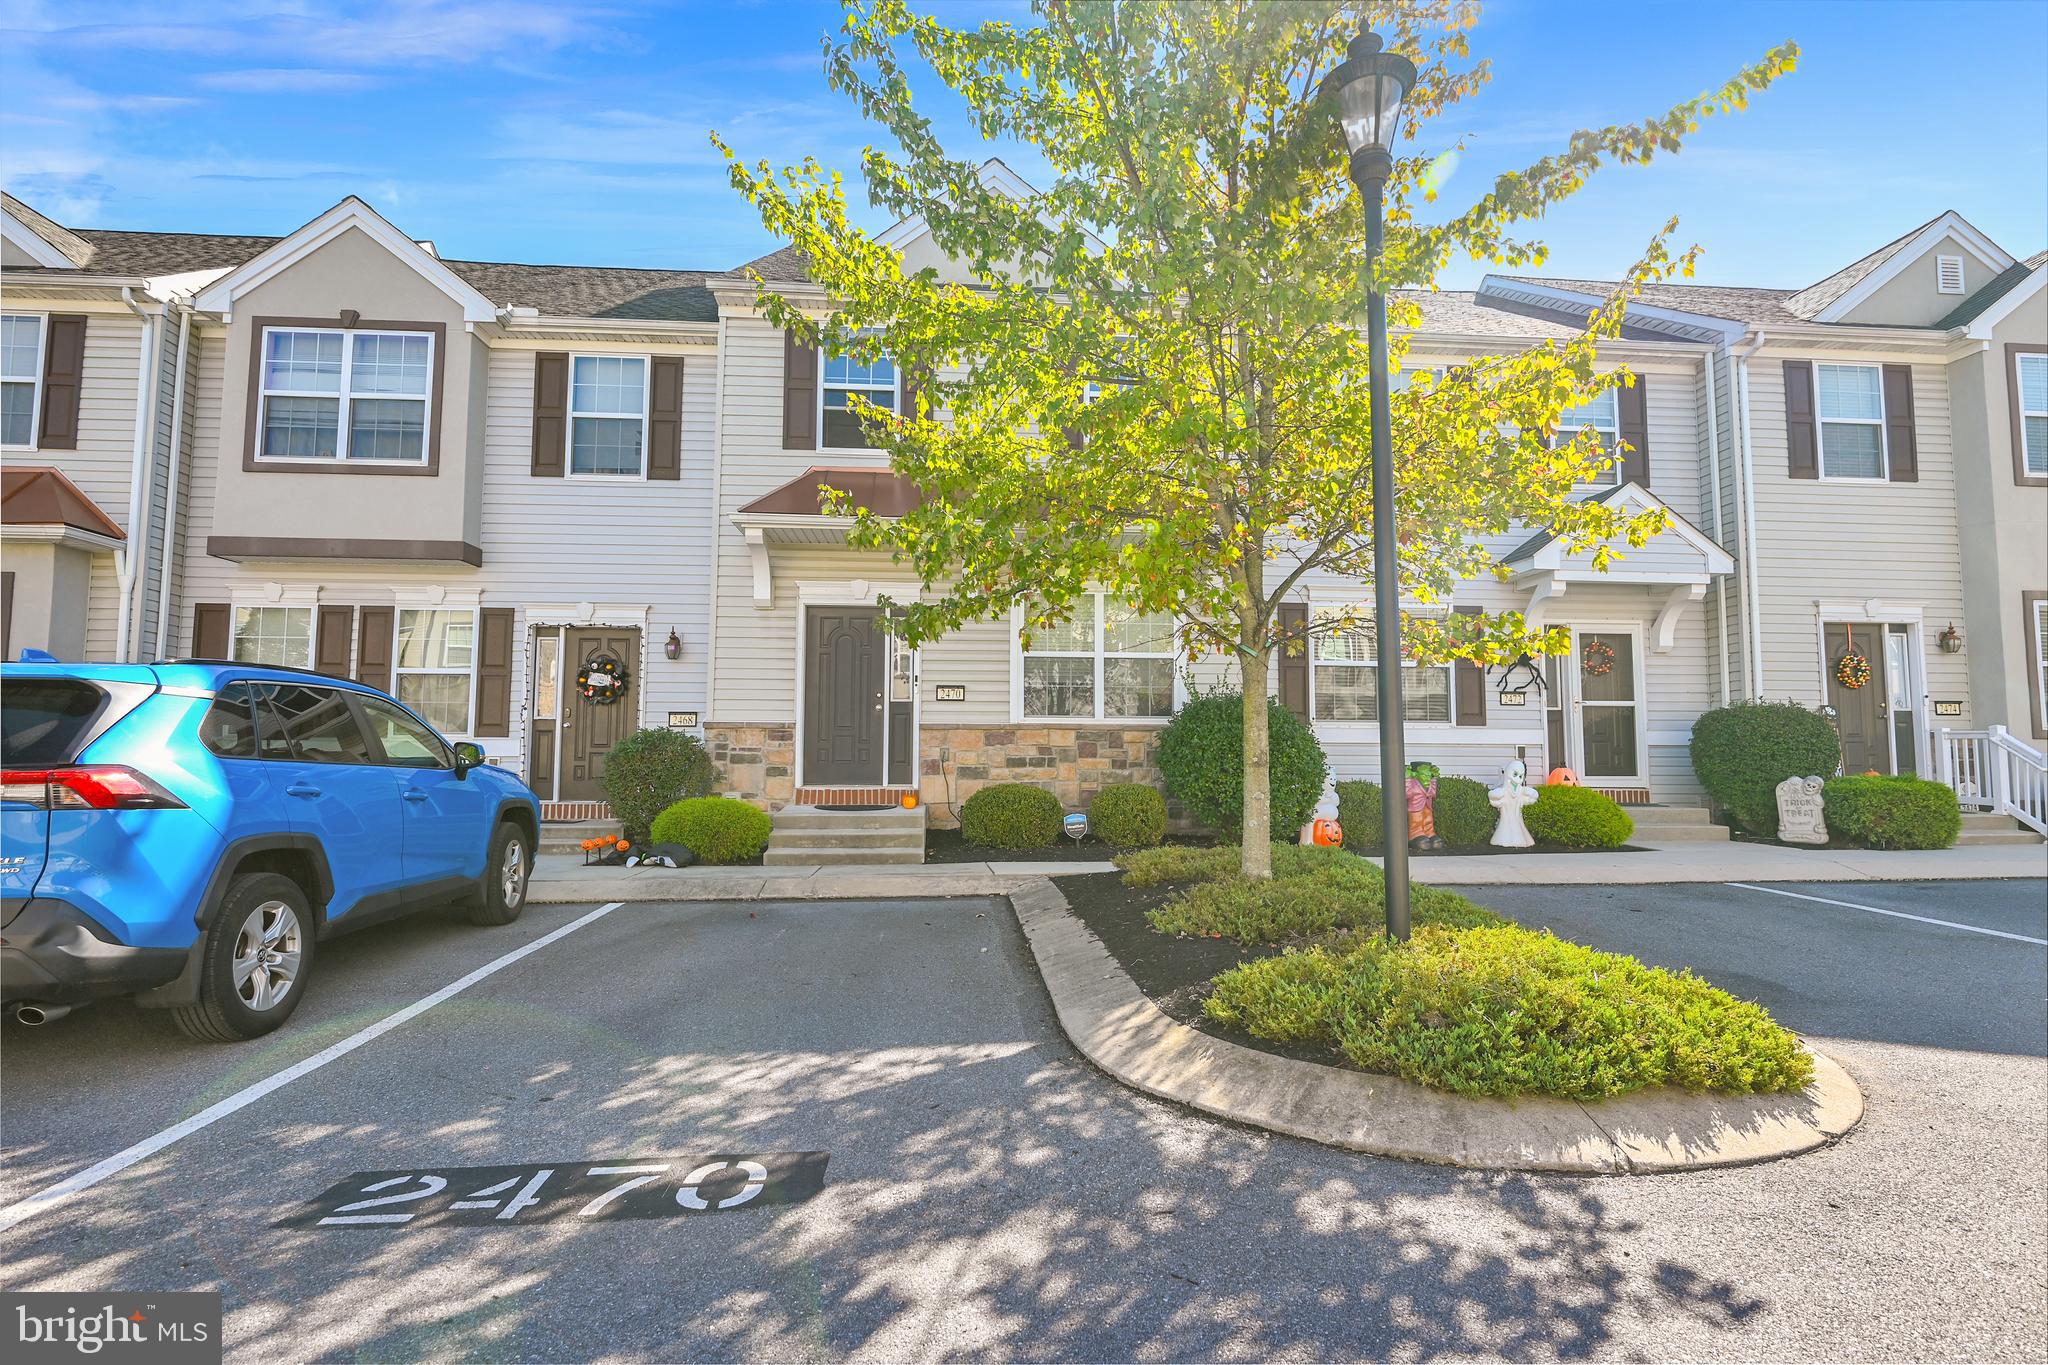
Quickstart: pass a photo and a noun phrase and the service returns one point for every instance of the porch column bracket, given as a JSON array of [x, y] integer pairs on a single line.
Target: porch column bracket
[[764, 581], [1667, 616], [1547, 589]]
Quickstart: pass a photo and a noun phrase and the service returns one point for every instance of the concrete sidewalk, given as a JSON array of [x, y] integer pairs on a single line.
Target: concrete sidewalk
[[562, 877]]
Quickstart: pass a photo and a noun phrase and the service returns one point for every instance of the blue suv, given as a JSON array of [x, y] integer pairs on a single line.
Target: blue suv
[[187, 832]]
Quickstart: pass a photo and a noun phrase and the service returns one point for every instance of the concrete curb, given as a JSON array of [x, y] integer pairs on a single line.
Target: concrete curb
[[1116, 1027]]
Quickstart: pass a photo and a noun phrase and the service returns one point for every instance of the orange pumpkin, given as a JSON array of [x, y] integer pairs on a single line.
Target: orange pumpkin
[[1326, 832], [1562, 777], [910, 800], [624, 844], [589, 844]]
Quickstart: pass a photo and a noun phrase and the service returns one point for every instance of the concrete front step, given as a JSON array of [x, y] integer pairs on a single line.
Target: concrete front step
[[812, 856], [822, 836], [1677, 824], [825, 817], [567, 836], [1989, 827], [850, 838]]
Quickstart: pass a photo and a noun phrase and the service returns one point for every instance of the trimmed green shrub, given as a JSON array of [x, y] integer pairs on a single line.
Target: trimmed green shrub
[[1181, 863], [650, 770], [1128, 815], [1339, 896], [1891, 812], [1742, 752], [1359, 812], [1499, 1010], [1201, 756], [1464, 815], [1012, 815], [1578, 817], [718, 829]]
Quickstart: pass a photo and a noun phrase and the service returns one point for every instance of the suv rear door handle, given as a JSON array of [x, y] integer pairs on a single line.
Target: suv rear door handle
[[415, 794], [301, 790]]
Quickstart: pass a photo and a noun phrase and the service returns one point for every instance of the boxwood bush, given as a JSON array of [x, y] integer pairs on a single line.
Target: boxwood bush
[[1578, 817], [1287, 909], [1359, 812], [718, 829], [1742, 752], [1499, 1010], [1128, 815], [650, 770], [1201, 756], [1184, 863], [1891, 812], [1012, 815]]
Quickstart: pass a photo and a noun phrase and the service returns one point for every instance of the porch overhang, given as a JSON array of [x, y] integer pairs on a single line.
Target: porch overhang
[[1678, 565], [39, 505], [794, 514]]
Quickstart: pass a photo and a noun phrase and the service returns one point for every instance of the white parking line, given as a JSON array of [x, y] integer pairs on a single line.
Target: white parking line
[[17, 1213], [1895, 914]]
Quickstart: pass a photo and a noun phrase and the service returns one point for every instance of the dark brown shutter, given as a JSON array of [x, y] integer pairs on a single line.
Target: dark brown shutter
[[665, 418], [373, 650], [906, 392], [799, 393], [1902, 455], [6, 614], [1294, 658], [210, 630], [331, 641], [494, 669], [1802, 435], [550, 413], [1468, 679], [1634, 407], [63, 381]]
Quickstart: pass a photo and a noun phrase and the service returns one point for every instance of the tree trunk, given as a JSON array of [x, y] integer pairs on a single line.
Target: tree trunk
[[1257, 856]]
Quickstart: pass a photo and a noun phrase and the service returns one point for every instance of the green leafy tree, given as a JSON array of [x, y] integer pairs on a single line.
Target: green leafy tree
[[1156, 381]]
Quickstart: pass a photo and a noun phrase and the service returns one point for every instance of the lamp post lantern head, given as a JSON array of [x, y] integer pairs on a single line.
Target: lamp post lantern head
[[1369, 87]]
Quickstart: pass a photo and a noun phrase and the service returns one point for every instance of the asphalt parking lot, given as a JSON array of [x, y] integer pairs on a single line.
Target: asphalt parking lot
[[986, 1193]]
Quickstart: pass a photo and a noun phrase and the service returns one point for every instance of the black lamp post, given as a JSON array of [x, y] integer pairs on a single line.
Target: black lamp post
[[1369, 88]]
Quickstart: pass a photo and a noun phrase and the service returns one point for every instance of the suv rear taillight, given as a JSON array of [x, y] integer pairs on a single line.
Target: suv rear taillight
[[97, 786]]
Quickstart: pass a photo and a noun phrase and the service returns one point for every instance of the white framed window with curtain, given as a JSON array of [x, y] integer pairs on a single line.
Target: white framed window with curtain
[[1851, 404], [1106, 662], [608, 416], [844, 376], [1602, 413], [2030, 387], [2041, 664], [434, 665], [1344, 682], [273, 635], [21, 378], [328, 394]]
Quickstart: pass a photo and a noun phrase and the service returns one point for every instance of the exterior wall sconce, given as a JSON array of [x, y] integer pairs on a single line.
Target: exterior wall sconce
[[674, 648], [1950, 640]]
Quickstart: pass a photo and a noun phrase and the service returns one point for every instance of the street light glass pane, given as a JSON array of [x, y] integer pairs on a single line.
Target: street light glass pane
[[1368, 108]]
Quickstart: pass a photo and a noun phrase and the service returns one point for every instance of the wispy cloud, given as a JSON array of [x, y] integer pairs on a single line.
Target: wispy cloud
[[285, 80]]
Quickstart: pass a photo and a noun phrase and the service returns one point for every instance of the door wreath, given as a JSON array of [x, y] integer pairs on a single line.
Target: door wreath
[[602, 679], [1852, 670], [1597, 658]]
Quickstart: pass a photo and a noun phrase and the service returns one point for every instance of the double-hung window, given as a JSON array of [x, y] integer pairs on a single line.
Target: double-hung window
[[1346, 681], [608, 415], [845, 377], [2031, 378], [346, 395], [435, 666], [21, 377], [1106, 662], [2040, 624], [274, 635], [1599, 413], [1851, 421]]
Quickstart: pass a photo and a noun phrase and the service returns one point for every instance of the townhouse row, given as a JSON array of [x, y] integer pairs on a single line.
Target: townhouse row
[[478, 484]]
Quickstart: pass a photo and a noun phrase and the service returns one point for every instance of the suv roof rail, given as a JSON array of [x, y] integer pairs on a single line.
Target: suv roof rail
[[274, 668]]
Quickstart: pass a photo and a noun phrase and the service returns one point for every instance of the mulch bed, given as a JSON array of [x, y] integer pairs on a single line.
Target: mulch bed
[[946, 846]]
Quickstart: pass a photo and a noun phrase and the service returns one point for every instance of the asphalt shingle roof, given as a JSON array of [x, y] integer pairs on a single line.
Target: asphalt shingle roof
[[594, 291], [2003, 283], [1736, 303], [1808, 302]]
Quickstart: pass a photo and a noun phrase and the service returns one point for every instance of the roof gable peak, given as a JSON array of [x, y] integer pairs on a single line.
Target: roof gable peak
[[350, 214]]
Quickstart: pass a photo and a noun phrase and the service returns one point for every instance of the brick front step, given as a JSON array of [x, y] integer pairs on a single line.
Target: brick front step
[[575, 810]]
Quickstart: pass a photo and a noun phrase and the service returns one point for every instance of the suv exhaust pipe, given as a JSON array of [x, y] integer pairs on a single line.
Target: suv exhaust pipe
[[35, 1015]]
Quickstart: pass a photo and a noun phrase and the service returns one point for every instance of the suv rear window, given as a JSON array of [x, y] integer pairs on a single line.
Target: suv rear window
[[313, 724], [229, 726], [47, 720]]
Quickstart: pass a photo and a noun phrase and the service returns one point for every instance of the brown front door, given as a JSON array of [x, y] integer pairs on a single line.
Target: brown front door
[[590, 730], [845, 671], [1860, 712]]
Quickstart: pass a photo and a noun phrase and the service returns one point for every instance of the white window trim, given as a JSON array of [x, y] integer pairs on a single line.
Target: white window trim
[[894, 389], [2040, 662], [345, 396], [1365, 619], [646, 417], [399, 670], [35, 409], [1821, 424], [1610, 439], [312, 629], [1099, 654], [2019, 391]]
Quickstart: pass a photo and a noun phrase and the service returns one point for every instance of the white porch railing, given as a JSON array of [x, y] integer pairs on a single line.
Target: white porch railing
[[1991, 770]]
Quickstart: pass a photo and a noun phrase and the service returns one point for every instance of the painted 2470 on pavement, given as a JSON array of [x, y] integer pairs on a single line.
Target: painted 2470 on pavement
[[188, 832]]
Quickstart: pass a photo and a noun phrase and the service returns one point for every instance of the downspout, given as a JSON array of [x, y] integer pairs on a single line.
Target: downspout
[[1714, 503], [139, 479], [1748, 511], [164, 568]]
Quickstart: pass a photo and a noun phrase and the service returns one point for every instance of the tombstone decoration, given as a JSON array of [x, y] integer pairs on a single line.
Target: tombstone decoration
[[1075, 826], [1422, 834], [1801, 818], [1510, 798], [602, 679]]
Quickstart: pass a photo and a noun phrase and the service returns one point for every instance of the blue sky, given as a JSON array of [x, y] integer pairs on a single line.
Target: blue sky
[[554, 132]]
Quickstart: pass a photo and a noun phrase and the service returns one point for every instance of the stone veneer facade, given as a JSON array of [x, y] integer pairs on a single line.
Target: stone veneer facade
[[1073, 762]]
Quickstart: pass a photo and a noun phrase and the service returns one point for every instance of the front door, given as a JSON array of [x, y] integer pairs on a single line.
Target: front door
[[846, 654], [590, 729], [1609, 722], [1862, 714]]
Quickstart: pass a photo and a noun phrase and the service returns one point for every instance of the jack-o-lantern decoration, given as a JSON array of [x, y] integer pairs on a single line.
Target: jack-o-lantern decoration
[[1561, 777], [1326, 832], [910, 800]]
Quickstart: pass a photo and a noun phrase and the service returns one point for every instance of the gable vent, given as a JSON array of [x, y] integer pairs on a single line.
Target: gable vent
[[1948, 274]]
